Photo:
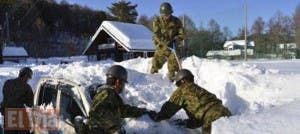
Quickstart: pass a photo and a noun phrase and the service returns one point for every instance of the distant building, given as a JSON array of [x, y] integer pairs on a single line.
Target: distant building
[[287, 50], [237, 44], [120, 41], [14, 54], [233, 49], [287, 46]]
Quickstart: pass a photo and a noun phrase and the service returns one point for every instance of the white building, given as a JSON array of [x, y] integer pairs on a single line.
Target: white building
[[287, 46], [237, 44], [15, 54], [233, 49], [120, 41]]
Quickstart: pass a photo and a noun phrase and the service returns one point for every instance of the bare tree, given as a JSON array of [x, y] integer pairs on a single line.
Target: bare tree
[[144, 20], [227, 33], [258, 26], [280, 28]]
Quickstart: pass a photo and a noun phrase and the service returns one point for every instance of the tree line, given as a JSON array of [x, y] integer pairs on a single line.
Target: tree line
[[280, 29], [38, 24], [63, 29]]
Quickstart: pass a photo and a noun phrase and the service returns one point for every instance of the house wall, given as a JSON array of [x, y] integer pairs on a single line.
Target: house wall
[[1, 57], [17, 59], [117, 54]]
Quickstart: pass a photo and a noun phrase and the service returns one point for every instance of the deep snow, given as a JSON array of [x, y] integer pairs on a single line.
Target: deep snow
[[263, 95]]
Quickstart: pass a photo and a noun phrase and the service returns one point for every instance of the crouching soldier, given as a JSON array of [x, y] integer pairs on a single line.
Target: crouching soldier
[[201, 106], [108, 109]]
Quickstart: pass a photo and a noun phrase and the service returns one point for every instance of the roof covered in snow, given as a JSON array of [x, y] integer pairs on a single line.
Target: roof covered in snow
[[14, 51], [238, 43], [133, 37]]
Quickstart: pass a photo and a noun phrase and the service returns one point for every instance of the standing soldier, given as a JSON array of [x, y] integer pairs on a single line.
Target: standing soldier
[[201, 106], [17, 93], [168, 32], [108, 109]]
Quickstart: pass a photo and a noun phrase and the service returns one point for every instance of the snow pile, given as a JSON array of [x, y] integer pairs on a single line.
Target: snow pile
[[260, 97]]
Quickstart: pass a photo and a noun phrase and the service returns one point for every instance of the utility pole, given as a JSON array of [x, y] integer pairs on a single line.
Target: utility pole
[[245, 30]]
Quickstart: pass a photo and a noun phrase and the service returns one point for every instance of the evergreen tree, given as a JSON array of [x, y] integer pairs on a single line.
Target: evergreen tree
[[297, 20], [191, 31], [123, 11]]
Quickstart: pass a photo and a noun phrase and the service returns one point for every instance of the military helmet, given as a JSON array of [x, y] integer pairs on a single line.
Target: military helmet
[[183, 73], [117, 71], [166, 8], [25, 71]]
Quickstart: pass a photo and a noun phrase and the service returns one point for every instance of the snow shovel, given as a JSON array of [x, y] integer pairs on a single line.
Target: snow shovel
[[173, 50]]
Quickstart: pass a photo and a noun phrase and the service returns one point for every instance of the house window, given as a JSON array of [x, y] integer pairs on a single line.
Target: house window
[[92, 57], [145, 54], [110, 40], [131, 55], [103, 56], [112, 56], [125, 56]]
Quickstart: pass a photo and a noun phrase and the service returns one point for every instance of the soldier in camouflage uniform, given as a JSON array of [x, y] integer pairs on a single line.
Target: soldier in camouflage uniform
[[201, 106], [108, 109], [168, 32]]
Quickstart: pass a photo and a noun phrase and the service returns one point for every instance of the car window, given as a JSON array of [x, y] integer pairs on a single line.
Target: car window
[[93, 89], [69, 108], [48, 95]]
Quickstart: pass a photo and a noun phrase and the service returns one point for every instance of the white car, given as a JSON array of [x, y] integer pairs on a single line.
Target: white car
[[70, 99]]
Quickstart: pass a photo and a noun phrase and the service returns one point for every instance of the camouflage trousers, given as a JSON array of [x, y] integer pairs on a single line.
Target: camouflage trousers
[[159, 59], [214, 113]]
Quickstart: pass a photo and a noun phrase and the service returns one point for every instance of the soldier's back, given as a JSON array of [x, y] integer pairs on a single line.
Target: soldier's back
[[14, 93]]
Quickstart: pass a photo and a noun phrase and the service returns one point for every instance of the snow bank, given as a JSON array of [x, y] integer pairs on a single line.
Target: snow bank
[[253, 91]]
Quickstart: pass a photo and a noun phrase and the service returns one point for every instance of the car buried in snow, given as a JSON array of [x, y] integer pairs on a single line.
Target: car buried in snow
[[70, 100]]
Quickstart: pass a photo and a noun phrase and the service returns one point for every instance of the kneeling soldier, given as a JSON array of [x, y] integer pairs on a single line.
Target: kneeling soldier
[[201, 106], [108, 109]]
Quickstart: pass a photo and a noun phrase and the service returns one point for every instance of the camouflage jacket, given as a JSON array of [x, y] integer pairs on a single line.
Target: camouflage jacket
[[108, 109], [167, 31], [16, 93], [195, 100]]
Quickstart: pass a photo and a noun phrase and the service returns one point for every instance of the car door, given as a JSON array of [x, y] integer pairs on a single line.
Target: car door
[[46, 95], [70, 106]]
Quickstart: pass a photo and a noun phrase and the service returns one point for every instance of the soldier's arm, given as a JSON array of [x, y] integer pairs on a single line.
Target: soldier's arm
[[131, 111], [29, 96], [104, 112], [5, 88], [157, 35], [181, 33], [172, 106]]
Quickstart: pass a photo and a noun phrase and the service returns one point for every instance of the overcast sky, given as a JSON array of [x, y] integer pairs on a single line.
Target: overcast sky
[[226, 12]]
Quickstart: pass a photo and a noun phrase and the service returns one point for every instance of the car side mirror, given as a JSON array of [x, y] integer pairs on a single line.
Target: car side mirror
[[80, 124]]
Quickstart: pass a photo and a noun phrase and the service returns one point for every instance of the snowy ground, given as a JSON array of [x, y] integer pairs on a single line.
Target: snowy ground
[[263, 95]]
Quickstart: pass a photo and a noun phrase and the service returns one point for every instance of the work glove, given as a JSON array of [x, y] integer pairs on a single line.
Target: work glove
[[194, 123], [179, 122], [171, 43], [153, 116]]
